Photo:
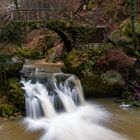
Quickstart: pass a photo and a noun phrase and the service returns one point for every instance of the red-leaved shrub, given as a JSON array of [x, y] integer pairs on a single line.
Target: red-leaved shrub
[[115, 59]]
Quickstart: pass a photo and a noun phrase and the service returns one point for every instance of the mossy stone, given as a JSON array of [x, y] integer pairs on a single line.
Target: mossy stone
[[108, 84], [16, 94]]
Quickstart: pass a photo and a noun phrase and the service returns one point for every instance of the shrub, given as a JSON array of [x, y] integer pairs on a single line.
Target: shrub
[[15, 95], [7, 110], [115, 59]]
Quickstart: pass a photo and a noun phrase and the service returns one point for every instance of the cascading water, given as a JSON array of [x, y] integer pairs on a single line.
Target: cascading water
[[58, 107]]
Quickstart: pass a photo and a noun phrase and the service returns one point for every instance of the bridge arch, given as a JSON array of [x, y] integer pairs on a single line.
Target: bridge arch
[[14, 31], [60, 28]]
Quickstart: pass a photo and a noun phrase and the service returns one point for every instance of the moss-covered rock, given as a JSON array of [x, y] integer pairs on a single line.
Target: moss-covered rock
[[16, 95], [112, 77], [108, 84]]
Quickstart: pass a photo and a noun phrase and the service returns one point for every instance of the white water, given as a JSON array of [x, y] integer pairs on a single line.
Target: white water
[[79, 120]]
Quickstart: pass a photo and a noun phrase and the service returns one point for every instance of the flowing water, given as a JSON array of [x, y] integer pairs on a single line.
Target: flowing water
[[60, 112], [122, 121]]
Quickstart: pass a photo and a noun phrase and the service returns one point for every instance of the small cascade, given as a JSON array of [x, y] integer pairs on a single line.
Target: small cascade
[[57, 106], [42, 100]]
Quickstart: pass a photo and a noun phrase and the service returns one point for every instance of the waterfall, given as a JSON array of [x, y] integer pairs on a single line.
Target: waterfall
[[58, 107]]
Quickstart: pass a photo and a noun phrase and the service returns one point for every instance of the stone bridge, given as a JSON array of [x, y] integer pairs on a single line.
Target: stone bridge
[[45, 15]]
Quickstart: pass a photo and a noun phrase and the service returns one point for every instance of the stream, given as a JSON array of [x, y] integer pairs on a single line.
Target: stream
[[125, 121]]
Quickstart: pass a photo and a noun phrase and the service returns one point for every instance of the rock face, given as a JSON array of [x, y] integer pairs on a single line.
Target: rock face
[[107, 84], [111, 77]]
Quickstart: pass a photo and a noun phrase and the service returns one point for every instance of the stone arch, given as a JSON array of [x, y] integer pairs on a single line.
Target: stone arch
[[60, 28]]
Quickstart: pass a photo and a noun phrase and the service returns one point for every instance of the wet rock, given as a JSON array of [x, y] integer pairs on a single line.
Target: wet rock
[[108, 84], [111, 77], [136, 103]]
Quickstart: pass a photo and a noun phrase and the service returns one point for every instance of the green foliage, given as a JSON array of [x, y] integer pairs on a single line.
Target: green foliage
[[84, 61], [51, 55], [16, 31], [90, 5], [15, 95], [60, 27], [12, 33], [54, 24], [124, 37], [80, 34], [127, 97], [71, 34], [4, 61], [29, 53], [50, 41], [12, 100], [7, 110]]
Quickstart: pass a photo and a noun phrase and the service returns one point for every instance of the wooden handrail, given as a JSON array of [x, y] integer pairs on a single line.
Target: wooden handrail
[[47, 14], [38, 15]]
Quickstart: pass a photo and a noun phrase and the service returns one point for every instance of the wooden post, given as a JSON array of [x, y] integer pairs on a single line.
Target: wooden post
[[28, 16], [12, 15], [43, 14], [37, 13]]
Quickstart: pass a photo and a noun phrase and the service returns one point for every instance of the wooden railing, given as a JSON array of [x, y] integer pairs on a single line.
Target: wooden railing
[[33, 15], [47, 14], [42, 15]]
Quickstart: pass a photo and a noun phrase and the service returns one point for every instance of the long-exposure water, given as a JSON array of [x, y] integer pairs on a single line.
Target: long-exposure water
[[61, 113], [122, 121]]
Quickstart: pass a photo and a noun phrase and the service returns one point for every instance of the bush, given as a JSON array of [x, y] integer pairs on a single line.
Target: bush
[[29, 53], [16, 95], [12, 33], [115, 59], [7, 110], [83, 61], [127, 97]]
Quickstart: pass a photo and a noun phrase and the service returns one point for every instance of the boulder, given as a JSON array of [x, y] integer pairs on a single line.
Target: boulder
[[108, 84], [111, 77]]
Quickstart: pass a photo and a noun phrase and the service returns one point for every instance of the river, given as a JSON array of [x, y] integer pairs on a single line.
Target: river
[[124, 121]]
